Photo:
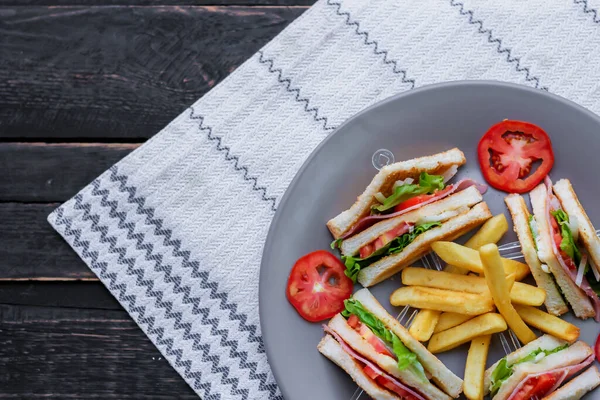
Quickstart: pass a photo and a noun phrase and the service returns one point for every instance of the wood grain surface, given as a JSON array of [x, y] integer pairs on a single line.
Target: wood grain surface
[[82, 73], [82, 84]]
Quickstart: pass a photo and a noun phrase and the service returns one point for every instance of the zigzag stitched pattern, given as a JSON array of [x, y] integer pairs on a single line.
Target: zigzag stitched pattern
[[235, 159], [288, 86], [130, 301], [372, 43], [588, 10], [501, 50]]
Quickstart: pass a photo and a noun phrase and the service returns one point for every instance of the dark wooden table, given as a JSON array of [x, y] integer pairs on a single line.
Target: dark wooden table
[[82, 83]]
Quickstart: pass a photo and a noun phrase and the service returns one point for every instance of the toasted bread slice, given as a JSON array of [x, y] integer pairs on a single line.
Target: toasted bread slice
[[520, 216], [587, 233], [580, 302], [331, 349], [450, 230], [446, 208], [545, 342], [441, 375], [578, 387], [385, 179], [387, 363]]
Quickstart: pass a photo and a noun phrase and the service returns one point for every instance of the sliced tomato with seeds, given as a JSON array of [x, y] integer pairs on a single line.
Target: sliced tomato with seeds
[[317, 286], [413, 201], [536, 386], [508, 152]]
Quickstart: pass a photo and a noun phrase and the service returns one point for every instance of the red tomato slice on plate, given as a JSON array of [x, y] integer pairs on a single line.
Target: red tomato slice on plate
[[413, 201], [317, 286], [537, 386], [507, 153]]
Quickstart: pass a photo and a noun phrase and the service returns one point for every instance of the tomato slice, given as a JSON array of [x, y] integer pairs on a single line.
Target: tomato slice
[[374, 341], [371, 373], [382, 240], [353, 321], [536, 386], [413, 201], [597, 348], [317, 286], [507, 152], [391, 386], [557, 237]]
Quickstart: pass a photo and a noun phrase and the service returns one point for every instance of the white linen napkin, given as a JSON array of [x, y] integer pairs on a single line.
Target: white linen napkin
[[176, 229]]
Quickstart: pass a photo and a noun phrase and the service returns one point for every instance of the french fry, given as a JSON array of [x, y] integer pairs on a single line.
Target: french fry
[[548, 323], [490, 232], [485, 324], [442, 300], [450, 320], [496, 281], [475, 367], [464, 257], [423, 325], [520, 293]]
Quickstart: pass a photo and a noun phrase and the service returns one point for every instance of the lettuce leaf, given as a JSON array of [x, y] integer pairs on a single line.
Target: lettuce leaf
[[336, 243], [427, 184], [406, 358], [567, 243], [503, 371], [354, 264]]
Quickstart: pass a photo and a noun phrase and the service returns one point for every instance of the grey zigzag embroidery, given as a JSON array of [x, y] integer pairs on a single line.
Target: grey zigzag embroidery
[[179, 287], [287, 82], [498, 42], [234, 159], [588, 10], [372, 43]]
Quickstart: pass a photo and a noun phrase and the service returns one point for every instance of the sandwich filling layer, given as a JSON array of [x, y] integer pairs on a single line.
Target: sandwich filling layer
[[539, 383], [565, 248], [391, 242], [407, 196]]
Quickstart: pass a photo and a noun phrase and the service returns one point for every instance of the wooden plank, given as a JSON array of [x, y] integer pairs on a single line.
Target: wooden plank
[[67, 353], [40, 172], [119, 71], [70, 294], [31, 249]]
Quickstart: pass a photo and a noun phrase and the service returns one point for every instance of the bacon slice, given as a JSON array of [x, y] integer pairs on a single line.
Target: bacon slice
[[366, 222], [368, 363], [562, 374], [554, 204]]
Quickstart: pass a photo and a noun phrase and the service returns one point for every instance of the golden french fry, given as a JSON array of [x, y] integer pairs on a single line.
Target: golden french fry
[[475, 367], [423, 325], [520, 293], [496, 281], [485, 324], [450, 320], [442, 300], [466, 258], [548, 323], [490, 232]]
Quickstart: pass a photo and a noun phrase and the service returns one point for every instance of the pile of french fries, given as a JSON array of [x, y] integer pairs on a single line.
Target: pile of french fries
[[478, 293]]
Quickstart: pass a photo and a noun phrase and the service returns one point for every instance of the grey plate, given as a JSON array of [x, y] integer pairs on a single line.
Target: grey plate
[[417, 123]]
